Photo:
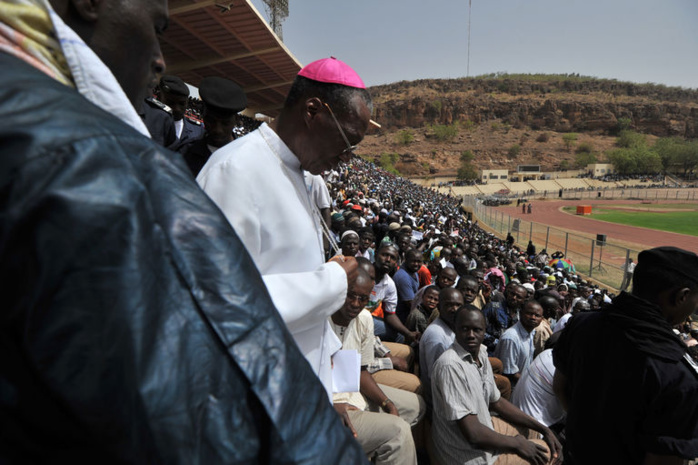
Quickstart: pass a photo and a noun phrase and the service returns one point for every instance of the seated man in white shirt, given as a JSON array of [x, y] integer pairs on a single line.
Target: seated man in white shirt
[[385, 436], [393, 362], [464, 394], [534, 393]]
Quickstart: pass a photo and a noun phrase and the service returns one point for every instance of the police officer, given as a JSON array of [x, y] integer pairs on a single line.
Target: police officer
[[158, 119], [175, 94], [223, 99]]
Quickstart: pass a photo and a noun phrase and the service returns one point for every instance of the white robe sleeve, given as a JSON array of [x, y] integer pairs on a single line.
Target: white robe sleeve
[[303, 299]]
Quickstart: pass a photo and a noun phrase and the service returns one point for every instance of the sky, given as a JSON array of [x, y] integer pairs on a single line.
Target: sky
[[393, 40]]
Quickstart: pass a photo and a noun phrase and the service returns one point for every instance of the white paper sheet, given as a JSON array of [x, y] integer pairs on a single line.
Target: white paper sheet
[[346, 371]]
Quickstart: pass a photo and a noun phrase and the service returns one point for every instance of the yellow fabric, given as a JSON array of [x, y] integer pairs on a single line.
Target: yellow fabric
[[26, 31]]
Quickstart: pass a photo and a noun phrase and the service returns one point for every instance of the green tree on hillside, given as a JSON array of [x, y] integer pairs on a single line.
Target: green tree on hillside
[[467, 171], [467, 156], [445, 132], [387, 162], [627, 139], [582, 159], [404, 137], [624, 124], [677, 152], [569, 140], [635, 160], [438, 106], [585, 147]]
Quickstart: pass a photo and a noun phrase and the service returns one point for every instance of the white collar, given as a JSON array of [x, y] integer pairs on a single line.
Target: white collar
[[280, 148], [92, 78]]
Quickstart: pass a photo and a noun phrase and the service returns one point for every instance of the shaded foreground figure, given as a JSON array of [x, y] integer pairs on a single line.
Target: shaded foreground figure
[[633, 399], [135, 327]]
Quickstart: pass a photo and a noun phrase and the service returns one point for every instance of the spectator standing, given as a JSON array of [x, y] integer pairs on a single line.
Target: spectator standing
[[628, 270], [175, 94], [258, 183], [222, 99]]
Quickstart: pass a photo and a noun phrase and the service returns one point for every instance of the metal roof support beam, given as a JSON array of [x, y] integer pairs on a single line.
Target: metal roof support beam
[[186, 7], [191, 65], [270, 85]]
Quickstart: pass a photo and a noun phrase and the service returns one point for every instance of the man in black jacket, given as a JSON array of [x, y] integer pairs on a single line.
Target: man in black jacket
[[625, 378], [135, 327], [175, 94], [223, 99]]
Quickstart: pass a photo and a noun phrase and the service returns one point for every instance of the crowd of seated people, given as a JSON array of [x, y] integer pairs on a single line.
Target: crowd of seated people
[[427, 269], [431, 264]]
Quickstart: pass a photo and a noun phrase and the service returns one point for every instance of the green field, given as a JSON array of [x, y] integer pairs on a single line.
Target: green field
[[654, 206], [682, 222]]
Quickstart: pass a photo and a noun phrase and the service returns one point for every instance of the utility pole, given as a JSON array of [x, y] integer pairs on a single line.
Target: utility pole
[[278, 12]]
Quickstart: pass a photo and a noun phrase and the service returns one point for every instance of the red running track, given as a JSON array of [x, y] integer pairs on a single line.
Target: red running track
[[549, 213]]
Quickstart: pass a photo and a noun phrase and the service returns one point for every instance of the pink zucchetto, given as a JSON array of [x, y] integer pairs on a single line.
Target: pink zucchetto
[[333, 71]]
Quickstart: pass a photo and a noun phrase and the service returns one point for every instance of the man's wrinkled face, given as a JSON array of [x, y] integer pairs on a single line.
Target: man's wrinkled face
[[327, 148], [126, 38]]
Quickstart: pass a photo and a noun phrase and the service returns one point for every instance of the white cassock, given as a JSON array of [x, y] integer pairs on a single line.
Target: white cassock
[[258, 184]]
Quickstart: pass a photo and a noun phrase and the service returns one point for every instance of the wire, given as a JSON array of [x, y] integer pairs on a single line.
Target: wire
[[470, 6]]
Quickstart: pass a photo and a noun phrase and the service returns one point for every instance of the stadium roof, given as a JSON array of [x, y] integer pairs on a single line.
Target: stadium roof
[[231, 40]]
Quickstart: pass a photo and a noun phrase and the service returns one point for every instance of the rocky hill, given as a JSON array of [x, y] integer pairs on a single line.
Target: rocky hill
[[510, 120]]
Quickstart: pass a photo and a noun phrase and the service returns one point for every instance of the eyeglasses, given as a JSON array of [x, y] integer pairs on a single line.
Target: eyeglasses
[[350, 148], [362, 299]]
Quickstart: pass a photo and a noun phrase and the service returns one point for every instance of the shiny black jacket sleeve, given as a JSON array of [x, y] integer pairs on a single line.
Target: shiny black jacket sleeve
[[134, 327]]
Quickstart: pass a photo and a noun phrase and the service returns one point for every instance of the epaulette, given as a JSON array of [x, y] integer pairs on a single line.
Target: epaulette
[[155, 103], [193, 121]]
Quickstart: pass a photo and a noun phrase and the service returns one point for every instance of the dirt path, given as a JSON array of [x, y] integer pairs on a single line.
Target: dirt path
[[548, 212]]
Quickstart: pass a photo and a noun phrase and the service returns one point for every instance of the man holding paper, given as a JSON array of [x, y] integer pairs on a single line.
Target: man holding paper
[[379, 416]]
